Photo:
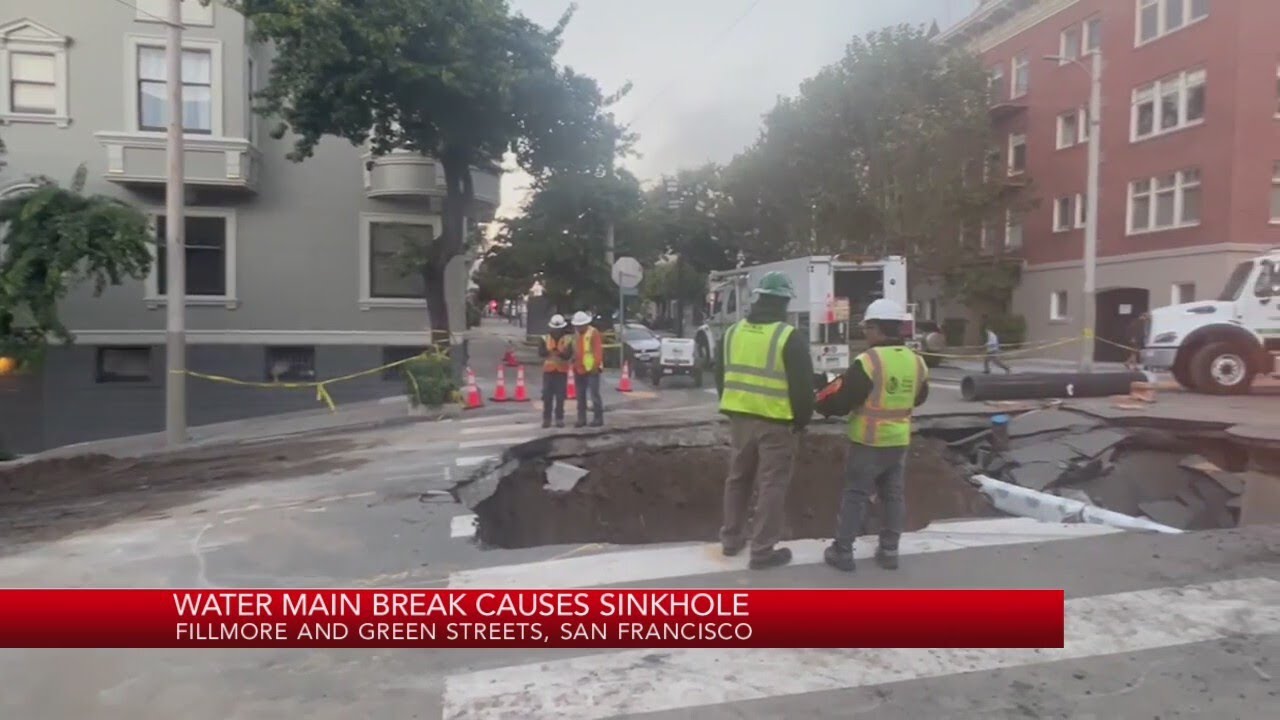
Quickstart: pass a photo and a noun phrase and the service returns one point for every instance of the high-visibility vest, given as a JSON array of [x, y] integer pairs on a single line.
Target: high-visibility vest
[[555, 362], [755, 375], [585, 348], [884, 420]]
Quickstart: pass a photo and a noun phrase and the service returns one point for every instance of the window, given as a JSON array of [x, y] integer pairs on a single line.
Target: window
[[210, 256], [1164, 202], [1021, 75], [1064, 213], [1082, 211], [1092, 35], [1058, 305], [1157, 18], [395, 354], [1278, 91], [1017, 154], [291, 364], [1171, 104], [123, 364], [251, 85], [33, 71], [1012, 230], [197, 90], [1069, 44], [1073, 128], [391, 246], [1183, 292], [1275, 192], [998, 87], [1268, 282], [193, 12]]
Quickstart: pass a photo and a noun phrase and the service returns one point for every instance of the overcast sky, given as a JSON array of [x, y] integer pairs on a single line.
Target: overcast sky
[[705, 71]]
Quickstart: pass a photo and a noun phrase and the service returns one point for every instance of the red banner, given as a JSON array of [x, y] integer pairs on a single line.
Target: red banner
[[532, 618]]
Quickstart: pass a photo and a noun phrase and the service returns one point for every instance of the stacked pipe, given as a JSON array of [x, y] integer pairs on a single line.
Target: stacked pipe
[[1034, 386]]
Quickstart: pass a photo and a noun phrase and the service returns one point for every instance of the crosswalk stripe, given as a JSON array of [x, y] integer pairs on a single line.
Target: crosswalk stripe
[[492, 442], [462, 526], [611, 568], [645, 681], [472, 460], [486, 429]]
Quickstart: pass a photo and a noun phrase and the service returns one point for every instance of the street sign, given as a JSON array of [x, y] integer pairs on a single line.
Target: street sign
[[627, 273]]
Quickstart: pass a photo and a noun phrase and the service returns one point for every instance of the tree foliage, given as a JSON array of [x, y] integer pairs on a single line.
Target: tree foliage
[[463, 81], [56, 238]]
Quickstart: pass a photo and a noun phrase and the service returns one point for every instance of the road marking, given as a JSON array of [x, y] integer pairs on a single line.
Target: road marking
[[628, 566], [462, 526], [646, 681], [491, 442], [473, 460], [496, 428]]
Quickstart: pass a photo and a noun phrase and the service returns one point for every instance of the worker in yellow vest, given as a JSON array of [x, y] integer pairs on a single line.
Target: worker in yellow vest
[[588, 363], [879, 391], [557, 353], [764, 375]]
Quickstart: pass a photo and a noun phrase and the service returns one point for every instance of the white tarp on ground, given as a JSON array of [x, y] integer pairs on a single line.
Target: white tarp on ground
[[1044, 507]]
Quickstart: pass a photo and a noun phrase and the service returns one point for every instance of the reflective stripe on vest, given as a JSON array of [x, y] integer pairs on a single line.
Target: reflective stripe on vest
[[885, 419], [586, 348], [555, 362], [755, 375]]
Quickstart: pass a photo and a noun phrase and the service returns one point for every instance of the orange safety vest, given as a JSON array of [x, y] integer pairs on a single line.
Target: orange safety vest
[[556, 362]]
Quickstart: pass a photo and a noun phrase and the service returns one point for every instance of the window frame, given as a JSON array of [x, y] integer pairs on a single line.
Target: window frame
[[133, 100], [1153, 191], [1064, 56], [996, 82], [1162, 20], [100, 377], [1010, 222], [1059, 306], [35, 40], [1023, 60], [229, 299], [156, 11], [1086, 48], [1275, 188], [1009, 167], [367, 221], [1071, 213], [307, 350], [1155, 91], [1082, 210], [1175, 293]]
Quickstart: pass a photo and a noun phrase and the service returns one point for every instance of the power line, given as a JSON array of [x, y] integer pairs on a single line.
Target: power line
[[137, 9], [676, 77]]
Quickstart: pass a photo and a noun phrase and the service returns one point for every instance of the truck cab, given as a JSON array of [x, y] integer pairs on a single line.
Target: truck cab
[[1220, 346]]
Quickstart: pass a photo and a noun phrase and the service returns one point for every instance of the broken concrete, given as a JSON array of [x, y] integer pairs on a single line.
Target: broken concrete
[[1168, 512], [1044, 507]]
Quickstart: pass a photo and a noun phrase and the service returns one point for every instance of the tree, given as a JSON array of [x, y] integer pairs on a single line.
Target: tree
[[55, 239], [463, 81]]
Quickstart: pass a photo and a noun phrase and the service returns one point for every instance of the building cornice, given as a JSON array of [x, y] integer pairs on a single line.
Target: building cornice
[[1001, 20]]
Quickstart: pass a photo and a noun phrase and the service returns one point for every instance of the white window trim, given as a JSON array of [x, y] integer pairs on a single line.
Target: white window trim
[[1072, 212], [1055, 307], [1013, 77], [1009, 224], [1062, 45], [1081, 208], [1275, 185], [200, 16], [1009, 163], [1277, 98], [251, 87], [1085, 51], [1157, 88], [1161, 29], [1179, 192], [132, 43], [44, 41], [367, 301], [1082, 129], [230, 299]]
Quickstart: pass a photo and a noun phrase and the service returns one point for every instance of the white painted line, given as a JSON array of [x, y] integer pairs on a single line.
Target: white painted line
[[484, 430], [611, 568], [491, 442], [647, 681], [394, 399], [462, 526], [473, 460]]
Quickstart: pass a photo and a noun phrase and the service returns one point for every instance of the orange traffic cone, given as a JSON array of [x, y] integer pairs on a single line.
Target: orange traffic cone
[[572, 394], [509, 357], [625, 384], [522, 394], [472, 392], [500, 391]]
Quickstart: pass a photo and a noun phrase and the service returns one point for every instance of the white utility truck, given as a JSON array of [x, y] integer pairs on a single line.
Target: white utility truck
[[1219, 346], [832, 293]]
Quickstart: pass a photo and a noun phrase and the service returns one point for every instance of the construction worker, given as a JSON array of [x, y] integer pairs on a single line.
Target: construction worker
[[878, 392], [764, 376], [588, 363], [557, 353]]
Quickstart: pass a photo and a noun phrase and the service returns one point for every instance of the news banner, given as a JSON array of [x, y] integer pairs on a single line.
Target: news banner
[[266, 618]]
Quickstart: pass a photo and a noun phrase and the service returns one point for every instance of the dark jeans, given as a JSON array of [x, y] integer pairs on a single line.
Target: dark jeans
[[555, 386], [589, 385], [993, 358], [867, 470]]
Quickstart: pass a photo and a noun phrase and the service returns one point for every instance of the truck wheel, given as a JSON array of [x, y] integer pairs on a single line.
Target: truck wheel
[[1220, 368], [1180, 374], [697, 378]]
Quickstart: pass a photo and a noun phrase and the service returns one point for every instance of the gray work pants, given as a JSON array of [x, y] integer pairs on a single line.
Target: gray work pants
[[763, 458], [869, 470]]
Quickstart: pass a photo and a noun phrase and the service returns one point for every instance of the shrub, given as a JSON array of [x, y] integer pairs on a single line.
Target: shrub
[[429, 380]]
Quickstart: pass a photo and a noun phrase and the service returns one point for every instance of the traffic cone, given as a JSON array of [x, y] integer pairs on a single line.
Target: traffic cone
[[522, 395], [509, 358], [500, 391], [625, 384], [572, 394], [472, 392]]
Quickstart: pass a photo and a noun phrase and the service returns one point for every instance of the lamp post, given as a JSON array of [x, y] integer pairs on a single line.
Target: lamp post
[[1090, 308]]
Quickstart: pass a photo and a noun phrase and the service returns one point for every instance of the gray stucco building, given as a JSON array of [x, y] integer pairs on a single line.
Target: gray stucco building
[[292, 269]]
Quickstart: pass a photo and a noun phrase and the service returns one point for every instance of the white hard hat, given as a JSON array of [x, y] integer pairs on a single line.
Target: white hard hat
[[557, 322], [883, 309], [580, 318]]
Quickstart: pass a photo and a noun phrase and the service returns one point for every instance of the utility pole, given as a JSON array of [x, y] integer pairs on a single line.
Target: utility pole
[[175, 411], [1090, 309]]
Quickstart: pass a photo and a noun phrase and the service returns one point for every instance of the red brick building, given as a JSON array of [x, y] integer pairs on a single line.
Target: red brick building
[[1190, 175]]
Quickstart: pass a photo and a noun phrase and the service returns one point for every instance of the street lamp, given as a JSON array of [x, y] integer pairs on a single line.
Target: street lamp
[[1091, 221]]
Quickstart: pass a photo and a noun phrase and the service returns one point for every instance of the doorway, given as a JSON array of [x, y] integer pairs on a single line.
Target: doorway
[[1118, 309]]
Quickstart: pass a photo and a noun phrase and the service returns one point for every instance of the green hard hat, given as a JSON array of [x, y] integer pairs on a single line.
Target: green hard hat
[[775, 283]]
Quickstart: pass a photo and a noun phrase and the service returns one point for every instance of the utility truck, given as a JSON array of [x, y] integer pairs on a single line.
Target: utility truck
[[1219, 347], [832, 293]]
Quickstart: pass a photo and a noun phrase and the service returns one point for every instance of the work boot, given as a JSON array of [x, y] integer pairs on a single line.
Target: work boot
[[560, 423], [839, 558], [598, 422], [775, 557], [546, 423], [887, 559], [580, 424], [732, 549]]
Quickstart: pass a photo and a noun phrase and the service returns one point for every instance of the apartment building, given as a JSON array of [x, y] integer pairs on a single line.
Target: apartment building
[[1190, 143], [292, 269]]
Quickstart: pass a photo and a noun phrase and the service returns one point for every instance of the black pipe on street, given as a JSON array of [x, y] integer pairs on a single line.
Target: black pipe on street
[[1035, 386]]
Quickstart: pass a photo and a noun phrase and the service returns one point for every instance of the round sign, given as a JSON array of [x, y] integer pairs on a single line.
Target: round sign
[[627, 273]]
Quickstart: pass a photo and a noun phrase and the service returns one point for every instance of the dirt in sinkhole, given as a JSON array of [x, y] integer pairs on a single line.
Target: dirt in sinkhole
[[646, 495]]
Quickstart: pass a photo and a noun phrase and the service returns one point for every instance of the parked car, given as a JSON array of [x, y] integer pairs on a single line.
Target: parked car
[[641, 345]]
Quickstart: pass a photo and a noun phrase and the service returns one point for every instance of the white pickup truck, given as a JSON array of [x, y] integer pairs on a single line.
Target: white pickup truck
[[1220, 346]]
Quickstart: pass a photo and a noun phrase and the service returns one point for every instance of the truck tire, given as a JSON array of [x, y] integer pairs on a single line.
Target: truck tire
[[1221, 368], [1181, 375]]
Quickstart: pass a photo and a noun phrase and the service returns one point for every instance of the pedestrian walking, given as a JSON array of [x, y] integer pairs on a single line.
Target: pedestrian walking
[[588, 363], [556, 350], [1137, 339], [992, 356], [764, 376], [878, 392]]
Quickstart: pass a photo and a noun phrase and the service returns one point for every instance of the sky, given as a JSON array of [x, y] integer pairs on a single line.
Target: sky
[[704, 72]]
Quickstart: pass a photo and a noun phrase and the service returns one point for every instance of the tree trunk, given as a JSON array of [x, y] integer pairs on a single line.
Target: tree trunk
[[459, 193]]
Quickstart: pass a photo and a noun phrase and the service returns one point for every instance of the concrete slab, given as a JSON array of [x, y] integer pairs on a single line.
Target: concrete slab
[[1168, 512], [1094, 443], [1039, 422]]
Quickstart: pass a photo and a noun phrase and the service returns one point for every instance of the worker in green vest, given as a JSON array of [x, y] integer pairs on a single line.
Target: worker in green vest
[[764, 375], [878, 392]]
